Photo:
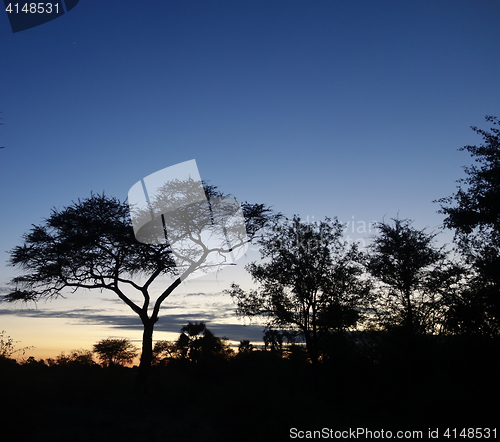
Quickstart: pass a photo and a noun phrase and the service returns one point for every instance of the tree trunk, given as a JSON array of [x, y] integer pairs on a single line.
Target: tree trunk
[[313, 354], [410, 326], [311, 346], [146, 356]]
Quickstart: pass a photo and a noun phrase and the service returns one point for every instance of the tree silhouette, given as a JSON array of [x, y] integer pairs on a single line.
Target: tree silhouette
[[245, 346], [197, 343], [164, 351], [413, 275], [115, 351], [8, 347], [91, 245], [79, 357], [273, 339], [474, 213], [309, 283]]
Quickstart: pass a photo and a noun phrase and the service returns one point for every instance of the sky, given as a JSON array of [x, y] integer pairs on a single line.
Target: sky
[[349, 109]]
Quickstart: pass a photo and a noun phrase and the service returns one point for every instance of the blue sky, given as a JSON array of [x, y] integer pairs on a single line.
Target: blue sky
[[352, 109]]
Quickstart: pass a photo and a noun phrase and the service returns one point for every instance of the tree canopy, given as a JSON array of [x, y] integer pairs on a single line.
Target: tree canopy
[[474, 210], [309, 281], [474, 213], [115, 351], [91, 245], [196, 343], [413, 275]]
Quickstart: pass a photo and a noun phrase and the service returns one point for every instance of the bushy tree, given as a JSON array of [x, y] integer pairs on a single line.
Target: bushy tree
[[245, 347], [413, 277], [310, 281], [196, 342], [8, 347], [115, 351], [474, 213], [164, 351], [474, 210], [32, 362], [79, 357]]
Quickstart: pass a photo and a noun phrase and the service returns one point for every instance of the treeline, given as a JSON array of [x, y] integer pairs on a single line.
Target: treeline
[[315, 292], [199, 390], [195, 343], [313, 286]]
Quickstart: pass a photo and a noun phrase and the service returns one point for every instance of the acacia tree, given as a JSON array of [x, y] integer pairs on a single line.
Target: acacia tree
[[474, 213], [115, 351], [164, 351], [91, 245], [309, 281], [413, 277]]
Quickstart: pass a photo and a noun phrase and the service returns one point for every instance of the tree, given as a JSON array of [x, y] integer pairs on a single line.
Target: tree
[[412, 274], [197, 343], [474, 213], [78, 357], [245, 347], [91, 245], [310, 281], [7, 346], [164, 351], [115, 351]]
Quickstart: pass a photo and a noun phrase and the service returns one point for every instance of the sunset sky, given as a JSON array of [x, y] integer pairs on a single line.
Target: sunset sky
[[343, 108]]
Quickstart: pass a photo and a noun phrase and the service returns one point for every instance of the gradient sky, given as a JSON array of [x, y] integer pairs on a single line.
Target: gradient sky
[[352, 109]]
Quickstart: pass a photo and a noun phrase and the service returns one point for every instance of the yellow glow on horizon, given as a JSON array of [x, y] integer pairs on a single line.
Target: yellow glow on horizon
[[52, 336]]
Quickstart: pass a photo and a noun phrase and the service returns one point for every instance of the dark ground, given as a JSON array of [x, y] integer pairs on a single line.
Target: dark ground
[[256, 397]]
